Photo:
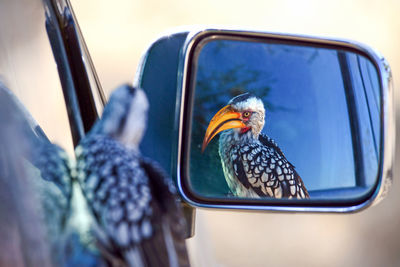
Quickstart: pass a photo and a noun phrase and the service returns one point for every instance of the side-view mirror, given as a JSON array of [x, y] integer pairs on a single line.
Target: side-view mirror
[[270, 121]]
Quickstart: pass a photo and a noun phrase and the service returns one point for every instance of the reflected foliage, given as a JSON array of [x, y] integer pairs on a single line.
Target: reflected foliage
[[213, 91]]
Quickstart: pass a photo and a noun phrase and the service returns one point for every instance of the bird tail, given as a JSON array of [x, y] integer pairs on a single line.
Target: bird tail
[[303, 188], [174, 248], [134, 257]]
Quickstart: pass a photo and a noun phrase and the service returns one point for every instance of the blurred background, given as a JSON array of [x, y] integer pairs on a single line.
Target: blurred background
[[118, 33]]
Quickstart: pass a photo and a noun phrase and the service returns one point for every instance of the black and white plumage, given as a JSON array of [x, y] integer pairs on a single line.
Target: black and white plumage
[[253, 164], [139, 221], [53, 163]]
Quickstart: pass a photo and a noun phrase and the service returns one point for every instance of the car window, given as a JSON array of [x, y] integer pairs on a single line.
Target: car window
[[28, 69]]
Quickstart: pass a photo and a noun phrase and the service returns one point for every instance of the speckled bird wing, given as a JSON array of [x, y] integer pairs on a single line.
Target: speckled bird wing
[[267, 141], [263, 168], [121, 197], [54, 165], [117, 192]]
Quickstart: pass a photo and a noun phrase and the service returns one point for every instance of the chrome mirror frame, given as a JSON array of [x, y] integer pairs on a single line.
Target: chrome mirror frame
[[387, 126]]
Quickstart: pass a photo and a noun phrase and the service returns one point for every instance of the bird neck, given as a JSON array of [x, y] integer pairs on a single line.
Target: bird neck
[[130, 145], [233, 136], [127, 144]]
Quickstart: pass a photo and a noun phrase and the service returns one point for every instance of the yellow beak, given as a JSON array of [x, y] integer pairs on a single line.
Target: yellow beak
[[225, 119]]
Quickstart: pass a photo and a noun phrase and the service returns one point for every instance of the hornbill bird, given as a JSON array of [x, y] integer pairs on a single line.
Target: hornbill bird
[[139, 221], [253, 164]]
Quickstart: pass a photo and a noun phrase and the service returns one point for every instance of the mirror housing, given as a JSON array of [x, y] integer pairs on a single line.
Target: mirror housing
[[174, 61]]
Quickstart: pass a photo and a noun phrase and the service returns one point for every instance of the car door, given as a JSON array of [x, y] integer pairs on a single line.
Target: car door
[[39, 221]]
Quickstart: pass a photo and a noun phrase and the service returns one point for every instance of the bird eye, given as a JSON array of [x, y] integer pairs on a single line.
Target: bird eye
[[246, 114]]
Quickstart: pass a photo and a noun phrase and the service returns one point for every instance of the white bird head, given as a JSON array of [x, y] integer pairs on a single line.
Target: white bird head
[[125, 116], [243, 113]]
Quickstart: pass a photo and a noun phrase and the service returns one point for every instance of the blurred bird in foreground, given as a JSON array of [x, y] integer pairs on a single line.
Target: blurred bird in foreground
[[139, 220], [253, 164]]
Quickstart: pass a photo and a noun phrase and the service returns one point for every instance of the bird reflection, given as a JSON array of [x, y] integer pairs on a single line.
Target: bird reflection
[[253, 164]]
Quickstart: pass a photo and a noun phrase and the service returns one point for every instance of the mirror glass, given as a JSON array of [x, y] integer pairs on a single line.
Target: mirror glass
[[273, 119]]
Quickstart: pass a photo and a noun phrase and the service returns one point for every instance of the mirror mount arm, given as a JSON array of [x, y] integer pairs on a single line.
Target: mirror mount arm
[[190, 216]]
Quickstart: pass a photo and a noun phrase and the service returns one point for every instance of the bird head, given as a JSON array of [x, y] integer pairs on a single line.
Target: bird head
[[243, 113], [124, 117]]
